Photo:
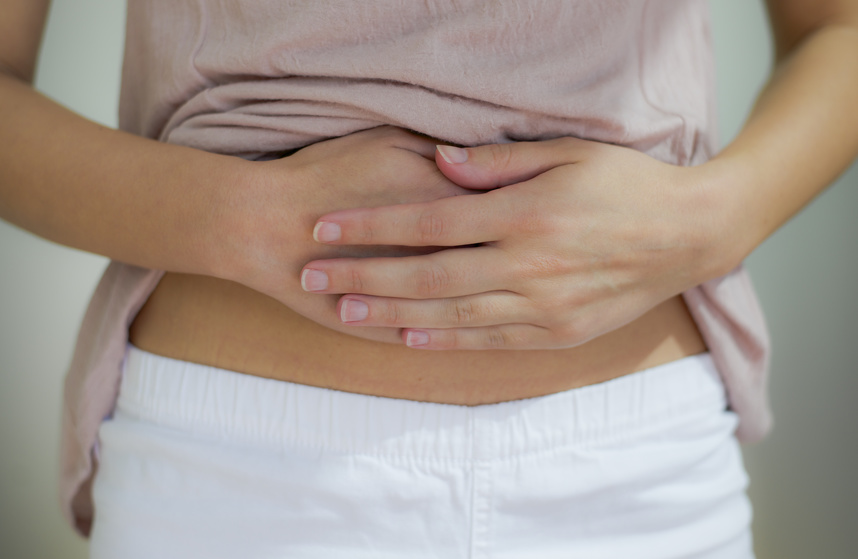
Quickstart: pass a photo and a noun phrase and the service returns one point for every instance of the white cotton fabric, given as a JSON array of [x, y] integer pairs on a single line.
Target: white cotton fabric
[[202, 462]]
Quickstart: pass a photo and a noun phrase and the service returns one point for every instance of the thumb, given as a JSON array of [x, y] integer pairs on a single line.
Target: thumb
[[493, 165]]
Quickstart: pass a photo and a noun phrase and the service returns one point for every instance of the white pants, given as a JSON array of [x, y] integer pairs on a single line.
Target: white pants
[[202, 462]]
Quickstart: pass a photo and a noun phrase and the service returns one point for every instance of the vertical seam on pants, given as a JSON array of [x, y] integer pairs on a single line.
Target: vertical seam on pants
[[472, 466], [482, 514], [482, 486]]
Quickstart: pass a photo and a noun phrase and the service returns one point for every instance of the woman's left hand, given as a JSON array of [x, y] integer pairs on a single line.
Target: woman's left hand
[[572, 239]]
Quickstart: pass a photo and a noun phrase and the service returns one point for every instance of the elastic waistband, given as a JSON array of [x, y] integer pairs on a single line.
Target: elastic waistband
[[221, 404]]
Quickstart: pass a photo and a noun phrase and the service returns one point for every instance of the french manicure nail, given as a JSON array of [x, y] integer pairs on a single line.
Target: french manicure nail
[[452, 154], [326, 232], [353, 311], [314, 280], [416, 339]]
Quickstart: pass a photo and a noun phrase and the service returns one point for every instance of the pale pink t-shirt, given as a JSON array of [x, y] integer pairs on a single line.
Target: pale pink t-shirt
[[257, 79]]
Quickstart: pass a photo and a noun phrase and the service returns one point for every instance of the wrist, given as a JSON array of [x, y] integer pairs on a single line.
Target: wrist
[[227, 242], [725, 208], [259, 231]]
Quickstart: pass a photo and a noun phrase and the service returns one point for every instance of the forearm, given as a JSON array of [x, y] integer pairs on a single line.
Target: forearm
[[802, 133], [80, 184]]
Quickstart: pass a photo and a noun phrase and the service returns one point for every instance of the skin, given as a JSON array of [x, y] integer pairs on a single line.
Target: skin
[[568, 248], [580, 238], [572, 274]]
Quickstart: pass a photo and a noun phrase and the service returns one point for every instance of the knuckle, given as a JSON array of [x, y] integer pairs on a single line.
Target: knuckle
[[461, 312], [354, 281], [432, 281], [545, 308], [501, 156], [450, 339], [430, 228], [495, 338], [524, 222], [548, 222], [552, 223], [533, 219], [364, 232], [539, 266], [392, 314]]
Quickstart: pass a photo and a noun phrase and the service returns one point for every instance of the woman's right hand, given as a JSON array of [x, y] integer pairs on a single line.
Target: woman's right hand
[[268, 233], [180, 209]]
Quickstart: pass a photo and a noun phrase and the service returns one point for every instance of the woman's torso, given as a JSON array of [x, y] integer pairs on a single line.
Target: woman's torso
[[261, 81], [468, 73]]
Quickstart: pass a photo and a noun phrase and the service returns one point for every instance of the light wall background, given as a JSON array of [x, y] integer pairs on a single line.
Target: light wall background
[[804, 484]]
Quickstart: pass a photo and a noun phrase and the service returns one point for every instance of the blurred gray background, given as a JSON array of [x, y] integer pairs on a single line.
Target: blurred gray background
[[803, 476]]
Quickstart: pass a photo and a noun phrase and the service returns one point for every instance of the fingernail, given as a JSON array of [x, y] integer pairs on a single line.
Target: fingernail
[[314, 280], [352, 311], [326, 232], [416, 339], [452, 154]]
